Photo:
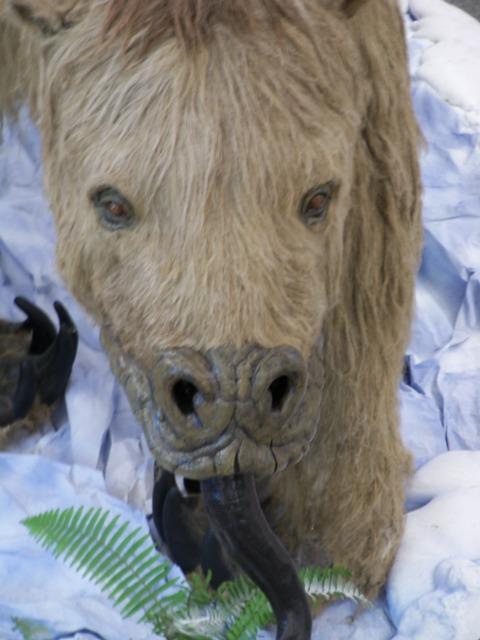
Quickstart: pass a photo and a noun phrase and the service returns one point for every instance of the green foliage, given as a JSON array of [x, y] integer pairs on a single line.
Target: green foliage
[[31, 629], [123, 562], [127, 566]]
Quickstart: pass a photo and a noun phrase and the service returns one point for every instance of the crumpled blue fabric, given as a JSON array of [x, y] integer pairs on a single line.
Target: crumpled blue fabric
[[444, 355]]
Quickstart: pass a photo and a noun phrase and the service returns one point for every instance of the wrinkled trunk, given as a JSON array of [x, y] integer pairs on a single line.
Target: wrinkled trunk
[[239, 523]]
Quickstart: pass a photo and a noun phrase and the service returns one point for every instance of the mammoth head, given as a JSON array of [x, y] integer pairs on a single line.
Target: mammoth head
[[231, 209], [200, 167]]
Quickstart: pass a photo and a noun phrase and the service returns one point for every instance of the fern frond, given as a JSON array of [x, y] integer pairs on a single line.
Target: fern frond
[[124, 563], [331, 584], [256, 615], [127, 566], [249, 607], [201, 623], [240, 609]]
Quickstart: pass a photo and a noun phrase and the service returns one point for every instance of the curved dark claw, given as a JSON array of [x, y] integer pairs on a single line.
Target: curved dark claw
[[214, 561], [34, 359], [182, 543], [58, 361], [23, 397], [239, 523], [43, 330], [26, 390]]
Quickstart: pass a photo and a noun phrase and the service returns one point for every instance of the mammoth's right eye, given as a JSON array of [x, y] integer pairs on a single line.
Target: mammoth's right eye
[[114, 211]]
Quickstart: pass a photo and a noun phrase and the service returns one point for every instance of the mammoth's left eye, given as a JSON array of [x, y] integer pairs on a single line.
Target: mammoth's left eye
[[315, 204], [113, 209]]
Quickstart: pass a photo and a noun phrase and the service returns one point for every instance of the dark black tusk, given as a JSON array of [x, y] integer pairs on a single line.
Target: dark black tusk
[[24, 395], [183, 546], [160, 491], [213, 560], [43, 330], [174, 527], [56, 368], [239, 523]]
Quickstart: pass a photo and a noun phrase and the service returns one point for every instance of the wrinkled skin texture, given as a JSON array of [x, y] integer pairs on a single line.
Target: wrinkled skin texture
[[214, 132], [232, 435]]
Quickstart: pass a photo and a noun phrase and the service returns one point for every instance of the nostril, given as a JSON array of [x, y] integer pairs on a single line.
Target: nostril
[[183, 393], [279, 390]]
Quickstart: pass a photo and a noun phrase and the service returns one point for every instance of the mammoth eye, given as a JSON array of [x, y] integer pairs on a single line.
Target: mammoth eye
[[315, 203], [113, 209]]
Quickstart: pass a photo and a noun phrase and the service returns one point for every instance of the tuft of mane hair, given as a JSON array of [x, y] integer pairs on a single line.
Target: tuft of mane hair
[[145, 24]]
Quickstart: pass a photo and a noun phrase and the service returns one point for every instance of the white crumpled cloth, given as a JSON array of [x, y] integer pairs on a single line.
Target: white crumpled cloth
[[96, 454]]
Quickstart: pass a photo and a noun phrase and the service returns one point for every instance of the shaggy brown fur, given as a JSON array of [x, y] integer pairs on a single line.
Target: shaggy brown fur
[[143, 25], [191, 21], [214, 134]]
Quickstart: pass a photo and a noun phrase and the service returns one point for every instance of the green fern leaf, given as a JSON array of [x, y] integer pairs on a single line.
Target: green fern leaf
[[95, 543], [126, 565]]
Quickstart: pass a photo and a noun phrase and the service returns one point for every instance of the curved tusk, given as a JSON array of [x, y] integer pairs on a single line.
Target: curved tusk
[[213, 560], [239, 524], [183, 547], [160, 491]]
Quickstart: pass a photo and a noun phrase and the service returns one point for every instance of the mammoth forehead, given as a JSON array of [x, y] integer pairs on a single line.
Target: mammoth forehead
[[253, 113]]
